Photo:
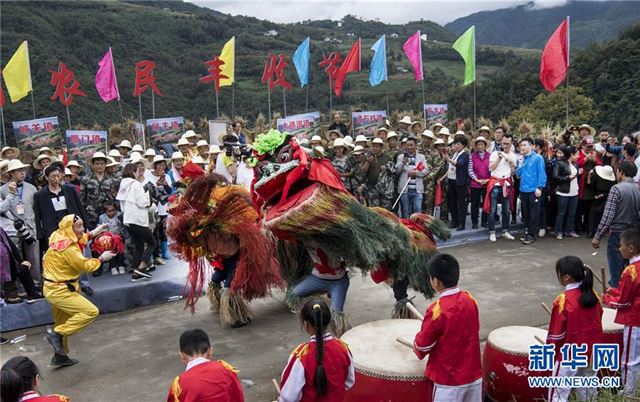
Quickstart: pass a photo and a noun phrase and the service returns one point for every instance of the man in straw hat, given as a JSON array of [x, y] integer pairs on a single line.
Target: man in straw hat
[[404, 125], [9, 153], [382, 133], [332, 135], [74, 170], [184, 146], [214, 151], [393, 147], [95, 189], [35, 176], [16, 205], [376, 164], [203, 149], [192, 137], [416, 129], [124, 148], [436, 160]]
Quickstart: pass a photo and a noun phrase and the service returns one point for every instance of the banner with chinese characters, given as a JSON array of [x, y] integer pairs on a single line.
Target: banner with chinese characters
[[435, 113], [140, 134], [217, 129], [366, 123], [37, 133], [165, 131], [301, 125], [82, 144]]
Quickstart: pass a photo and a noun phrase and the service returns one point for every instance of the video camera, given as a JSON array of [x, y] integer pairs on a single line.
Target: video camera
[[21, 228], [233, 147]]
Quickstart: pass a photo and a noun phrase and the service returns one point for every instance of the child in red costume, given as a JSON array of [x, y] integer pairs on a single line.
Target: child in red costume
[[450, 335], [203, 380], [20, 378], [576, 318], [626, 300], [321, 369]]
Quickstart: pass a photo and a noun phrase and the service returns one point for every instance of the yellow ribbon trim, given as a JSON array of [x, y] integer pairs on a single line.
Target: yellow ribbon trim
[[436, 310], [560, 301], [175, 387], [228, 366]]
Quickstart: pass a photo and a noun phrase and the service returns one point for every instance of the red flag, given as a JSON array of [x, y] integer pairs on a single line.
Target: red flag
[[437, 200], [351, 63], [420, 167], [555, 58]]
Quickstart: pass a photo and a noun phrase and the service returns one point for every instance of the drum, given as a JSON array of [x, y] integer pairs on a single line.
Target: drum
[[386, 370], [505, 364], [613, 333]]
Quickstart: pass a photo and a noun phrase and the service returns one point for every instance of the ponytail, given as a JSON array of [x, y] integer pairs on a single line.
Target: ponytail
[[18, 375], [317, 313], [575, 268]]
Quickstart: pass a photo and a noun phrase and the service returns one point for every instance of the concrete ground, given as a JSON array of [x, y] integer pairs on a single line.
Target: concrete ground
[[133, 356]]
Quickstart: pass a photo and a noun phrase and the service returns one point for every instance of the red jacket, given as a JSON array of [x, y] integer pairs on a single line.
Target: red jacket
[[450, 335], [211, 381], [297, 382], [34, 397], [627, 301], [572, 323]]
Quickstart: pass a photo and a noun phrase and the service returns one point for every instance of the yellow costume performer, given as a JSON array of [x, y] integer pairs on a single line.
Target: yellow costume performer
[[63, 263]]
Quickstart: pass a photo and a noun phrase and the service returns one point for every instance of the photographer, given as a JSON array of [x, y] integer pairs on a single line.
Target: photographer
[[12, 267], [161, 186], [17, 217]]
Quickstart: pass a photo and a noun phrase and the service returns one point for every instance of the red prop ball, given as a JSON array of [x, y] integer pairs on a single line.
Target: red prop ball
[[107, 241]]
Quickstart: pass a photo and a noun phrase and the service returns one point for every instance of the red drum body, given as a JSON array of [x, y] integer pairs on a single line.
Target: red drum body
[[387, 371], [505, 365]]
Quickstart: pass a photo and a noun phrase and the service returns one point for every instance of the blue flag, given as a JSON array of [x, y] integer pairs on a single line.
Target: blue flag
[[301, 61], [378, 62]]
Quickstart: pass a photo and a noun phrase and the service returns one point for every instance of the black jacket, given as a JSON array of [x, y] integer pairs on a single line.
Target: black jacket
[[46, 222], [562, 176], [462, 169]]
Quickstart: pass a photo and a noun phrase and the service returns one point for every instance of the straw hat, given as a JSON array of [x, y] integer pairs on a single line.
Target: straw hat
[[439, 141], [214, 149], [416, 122], [449, 141], [481, 138], [327, 134], [190, 134], [315, 138], [138, 148], [386, 130], [339, 142], [378, 141], [435, 126], [150, 152], [183, 141], [36, 163], [16, 164], [137, 158], [177, 155], [358, 150], [443, 131], [592, 131], [319, 150], [428, 134], [124, 144], [202, 143], [484, 128], [45, 149], [114, 153], [67, 172], [112, 162], [460, 132], [73, 163], [198, 160], [348, 141], [97, 155], [5, 149], [158, 159], [392, 134], [606, 172], [406, 120], [3, 163], [361, 138]]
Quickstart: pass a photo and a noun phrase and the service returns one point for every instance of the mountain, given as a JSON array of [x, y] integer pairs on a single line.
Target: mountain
[[180, 36], [530, 27]]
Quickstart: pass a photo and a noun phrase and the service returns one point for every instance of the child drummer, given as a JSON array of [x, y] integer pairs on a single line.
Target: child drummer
[[626, 300], [450, 335]]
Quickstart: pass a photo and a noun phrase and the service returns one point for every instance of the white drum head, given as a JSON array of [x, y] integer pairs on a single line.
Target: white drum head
[[608, 315], [516, 339], [377, 353]]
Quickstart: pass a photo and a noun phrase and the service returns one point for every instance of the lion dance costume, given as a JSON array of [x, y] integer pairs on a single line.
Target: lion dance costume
[[212, 211], [302, 201]]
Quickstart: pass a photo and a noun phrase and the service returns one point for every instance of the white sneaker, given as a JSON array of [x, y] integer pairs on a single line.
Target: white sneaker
[[121, 270], [492, 237], [508, 236], [114, 271], [542, 232], [559, 236]]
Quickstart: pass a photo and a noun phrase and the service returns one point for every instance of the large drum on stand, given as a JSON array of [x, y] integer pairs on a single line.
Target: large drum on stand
[[505, 365], [613, 333], [386, 371]]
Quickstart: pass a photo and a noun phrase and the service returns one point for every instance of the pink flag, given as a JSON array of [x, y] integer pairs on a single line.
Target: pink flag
[[106, 82], [413, 49]]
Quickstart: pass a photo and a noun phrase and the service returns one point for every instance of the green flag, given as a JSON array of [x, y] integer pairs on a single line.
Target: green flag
[[466, 46]]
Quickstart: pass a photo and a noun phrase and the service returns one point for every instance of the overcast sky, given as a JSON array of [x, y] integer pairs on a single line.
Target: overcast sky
[[396, 12]]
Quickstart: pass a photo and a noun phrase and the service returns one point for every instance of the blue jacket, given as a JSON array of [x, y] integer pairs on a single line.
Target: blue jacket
[[531, 173]]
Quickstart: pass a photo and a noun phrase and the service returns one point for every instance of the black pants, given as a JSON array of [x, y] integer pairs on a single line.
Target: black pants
[[140, 236], [477, 203], [595, 215], [10, 289], [530, 205], [582, 216], [160, 234], [457, 199]]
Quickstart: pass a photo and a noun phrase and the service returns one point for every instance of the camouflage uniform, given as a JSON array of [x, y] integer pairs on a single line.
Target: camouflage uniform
[[386, 188], [343, 166], [94, 194], [435, 163], [373, 175], [358, 179]]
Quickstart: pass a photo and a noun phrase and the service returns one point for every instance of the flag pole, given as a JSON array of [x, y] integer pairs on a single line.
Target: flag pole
[[306, 102], [233, 84], [153, 104], [284, 100], [386, 90], [217, 106], [269, 100], [474, 79], [330, 96], [568, 64], [140, 108], [4, 134], [33, 104], [68, 117], [474, 106], [115, 78]]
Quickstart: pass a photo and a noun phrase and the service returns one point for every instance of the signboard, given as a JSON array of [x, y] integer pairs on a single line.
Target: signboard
[[366, 123], [82, 144], [165, 131], [216, 129], [301, 125], [435, 113], [37, 133]]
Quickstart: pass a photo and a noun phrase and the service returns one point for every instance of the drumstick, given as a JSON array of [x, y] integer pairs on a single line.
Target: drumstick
[[597, 278], [405, 343], [414, 311], [603, 275], [275, 385], [546, 308], [540, 340]]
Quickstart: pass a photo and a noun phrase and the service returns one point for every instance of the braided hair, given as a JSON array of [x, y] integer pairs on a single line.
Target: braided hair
[[317, 313], [575, 268]]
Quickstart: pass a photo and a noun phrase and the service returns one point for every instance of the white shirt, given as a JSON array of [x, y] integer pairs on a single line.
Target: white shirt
[[451, 173], [503, 170], [194, 362], [636, 178], [573, 187]]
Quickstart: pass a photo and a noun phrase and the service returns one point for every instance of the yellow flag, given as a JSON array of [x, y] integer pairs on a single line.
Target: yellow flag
[[228, 55], [17, 73]]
